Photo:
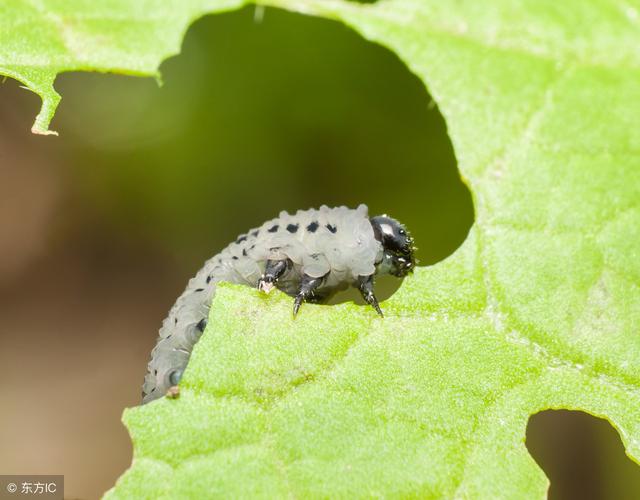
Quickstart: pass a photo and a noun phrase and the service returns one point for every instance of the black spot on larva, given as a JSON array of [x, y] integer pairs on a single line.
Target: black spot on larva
[[235, 257], [199, 289], [313, 226], [202, 324], [244, 252], [292, 228], [209, 278], [255, 233], [175, 321], [273, 228], [241, 238], [315, 256], [331, 228], [252, 247], [169, 336], [155, 372]]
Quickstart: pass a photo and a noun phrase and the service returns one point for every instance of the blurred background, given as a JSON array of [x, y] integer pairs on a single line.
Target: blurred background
[[101, 227]]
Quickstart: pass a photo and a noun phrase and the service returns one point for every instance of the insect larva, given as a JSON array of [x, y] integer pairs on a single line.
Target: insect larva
[[309, 255]]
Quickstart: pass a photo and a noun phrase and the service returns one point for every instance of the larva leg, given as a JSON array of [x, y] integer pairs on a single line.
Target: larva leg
[[365, 285], [305, 291], [273, 270], [175, 376]]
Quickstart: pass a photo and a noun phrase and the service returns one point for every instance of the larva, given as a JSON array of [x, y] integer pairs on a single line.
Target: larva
[[309, 255]]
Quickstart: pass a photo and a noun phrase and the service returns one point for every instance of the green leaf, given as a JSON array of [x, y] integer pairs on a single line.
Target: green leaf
[[42, 38], [538, 309]]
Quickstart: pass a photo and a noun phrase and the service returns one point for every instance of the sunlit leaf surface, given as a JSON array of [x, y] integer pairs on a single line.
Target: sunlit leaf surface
[[538, 309]]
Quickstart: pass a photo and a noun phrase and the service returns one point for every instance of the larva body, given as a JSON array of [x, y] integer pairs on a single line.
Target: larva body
[[309, 255]]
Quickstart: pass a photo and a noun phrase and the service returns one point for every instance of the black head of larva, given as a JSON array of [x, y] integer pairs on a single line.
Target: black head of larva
[[397, 243]]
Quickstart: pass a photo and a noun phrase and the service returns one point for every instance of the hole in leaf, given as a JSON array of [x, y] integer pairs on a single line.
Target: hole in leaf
[[582, 456], [255, 117]]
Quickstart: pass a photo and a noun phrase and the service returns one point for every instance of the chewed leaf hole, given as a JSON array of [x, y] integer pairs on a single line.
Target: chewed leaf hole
[[582, 456], [245, 114]]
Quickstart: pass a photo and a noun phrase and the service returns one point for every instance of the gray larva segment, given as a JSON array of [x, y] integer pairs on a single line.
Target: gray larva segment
[[337, 243]]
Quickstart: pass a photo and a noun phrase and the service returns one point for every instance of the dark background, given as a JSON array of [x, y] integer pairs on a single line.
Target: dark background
[[101, 227]]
